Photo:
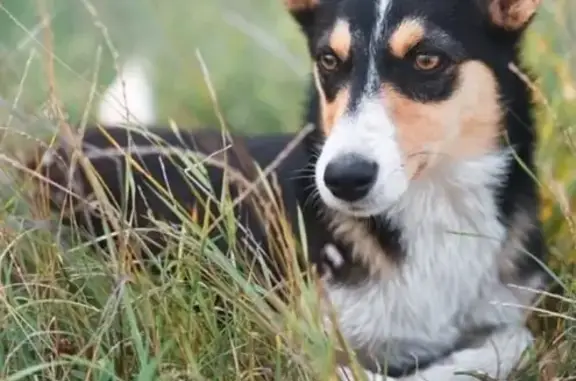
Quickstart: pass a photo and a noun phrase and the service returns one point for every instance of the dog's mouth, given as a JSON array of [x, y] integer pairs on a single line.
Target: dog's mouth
[[357, 211], [367, 207]]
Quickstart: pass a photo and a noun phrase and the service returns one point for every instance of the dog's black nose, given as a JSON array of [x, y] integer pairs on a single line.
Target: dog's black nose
[[350, 177]]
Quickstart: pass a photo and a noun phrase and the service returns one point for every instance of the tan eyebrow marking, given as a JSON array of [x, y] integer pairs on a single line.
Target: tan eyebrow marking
[[341, 39], [409, 33]]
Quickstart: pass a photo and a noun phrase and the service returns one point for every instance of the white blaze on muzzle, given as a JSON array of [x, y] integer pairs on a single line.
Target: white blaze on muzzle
[[369, 134]]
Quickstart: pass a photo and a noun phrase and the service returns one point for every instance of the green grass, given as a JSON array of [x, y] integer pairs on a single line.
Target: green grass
[[73, 315]]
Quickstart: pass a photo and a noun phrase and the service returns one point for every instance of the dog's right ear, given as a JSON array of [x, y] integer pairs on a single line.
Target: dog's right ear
[[304, 12]]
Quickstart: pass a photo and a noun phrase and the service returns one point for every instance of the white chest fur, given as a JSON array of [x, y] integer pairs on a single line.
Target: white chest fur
[[449, 281]]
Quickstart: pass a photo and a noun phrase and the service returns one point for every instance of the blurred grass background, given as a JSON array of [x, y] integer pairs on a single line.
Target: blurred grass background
[[253, 51], [258, 65]]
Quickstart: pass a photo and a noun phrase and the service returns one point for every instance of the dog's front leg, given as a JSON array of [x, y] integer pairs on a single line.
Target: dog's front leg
[[333, 260], [496, 358], [345, 374]]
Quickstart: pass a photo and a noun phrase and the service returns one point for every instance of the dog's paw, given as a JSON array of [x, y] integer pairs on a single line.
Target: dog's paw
[[345, 374], [332, 261]]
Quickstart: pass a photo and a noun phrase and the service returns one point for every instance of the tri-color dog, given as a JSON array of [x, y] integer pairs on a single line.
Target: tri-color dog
[[424, 200]]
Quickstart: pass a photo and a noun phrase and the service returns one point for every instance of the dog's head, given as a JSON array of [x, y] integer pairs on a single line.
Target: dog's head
[[405, 87]]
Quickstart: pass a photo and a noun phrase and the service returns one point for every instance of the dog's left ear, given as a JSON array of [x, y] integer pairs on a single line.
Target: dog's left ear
[[304, 12], [512, 15]]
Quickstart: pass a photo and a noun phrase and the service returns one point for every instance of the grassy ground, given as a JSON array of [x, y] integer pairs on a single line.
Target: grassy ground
[[66, 314]]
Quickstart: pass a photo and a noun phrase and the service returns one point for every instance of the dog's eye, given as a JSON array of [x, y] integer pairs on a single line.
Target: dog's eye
[[328, 62], [427, 62]]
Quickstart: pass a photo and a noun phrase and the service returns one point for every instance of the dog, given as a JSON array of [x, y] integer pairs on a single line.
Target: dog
[[421, 203], [425, 165]]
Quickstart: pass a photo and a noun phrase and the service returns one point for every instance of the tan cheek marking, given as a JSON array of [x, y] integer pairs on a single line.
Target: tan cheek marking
[[466, 125], [331, 111], [341, 39], [409, 33]]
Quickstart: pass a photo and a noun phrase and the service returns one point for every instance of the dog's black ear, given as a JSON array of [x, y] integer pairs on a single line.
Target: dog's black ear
[[304, 12], [512, 15]]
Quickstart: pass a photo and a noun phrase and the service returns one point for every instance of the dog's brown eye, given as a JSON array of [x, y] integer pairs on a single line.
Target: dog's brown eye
[[328, 61], [427, 62]]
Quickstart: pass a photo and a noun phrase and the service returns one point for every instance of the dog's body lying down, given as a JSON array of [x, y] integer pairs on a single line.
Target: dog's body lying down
[[347, 278], [163, 183]]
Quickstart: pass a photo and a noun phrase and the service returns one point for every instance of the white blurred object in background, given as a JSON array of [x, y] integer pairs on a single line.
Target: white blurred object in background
[[129, 99]]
